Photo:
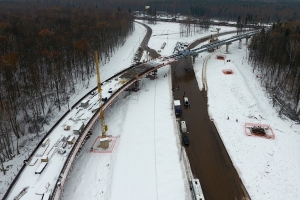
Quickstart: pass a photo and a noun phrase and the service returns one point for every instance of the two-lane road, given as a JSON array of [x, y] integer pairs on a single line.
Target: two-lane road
[[207, 154]]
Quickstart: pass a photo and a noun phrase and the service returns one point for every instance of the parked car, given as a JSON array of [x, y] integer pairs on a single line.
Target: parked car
[[185, 140]]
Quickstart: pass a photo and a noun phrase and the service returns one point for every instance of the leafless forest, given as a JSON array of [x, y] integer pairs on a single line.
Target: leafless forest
[[257, 10], [44, 52], [275, 54]]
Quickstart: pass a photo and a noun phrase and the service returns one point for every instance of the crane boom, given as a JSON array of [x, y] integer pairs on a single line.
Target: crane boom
[[102, 119]]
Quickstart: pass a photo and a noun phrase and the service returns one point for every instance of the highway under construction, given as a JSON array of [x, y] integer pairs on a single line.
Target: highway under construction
[[216, 172]]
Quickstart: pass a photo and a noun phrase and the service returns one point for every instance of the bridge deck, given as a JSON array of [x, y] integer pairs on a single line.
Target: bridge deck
[[130, 74]]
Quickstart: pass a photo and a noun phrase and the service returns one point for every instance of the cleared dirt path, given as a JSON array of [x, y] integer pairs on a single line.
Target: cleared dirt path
[[208, 157]]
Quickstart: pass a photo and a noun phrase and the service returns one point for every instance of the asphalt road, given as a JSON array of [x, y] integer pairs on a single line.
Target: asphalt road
[[209, 160]]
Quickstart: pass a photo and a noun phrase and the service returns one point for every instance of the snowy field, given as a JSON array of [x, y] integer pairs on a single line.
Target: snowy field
[[145, 163], [269, 168]]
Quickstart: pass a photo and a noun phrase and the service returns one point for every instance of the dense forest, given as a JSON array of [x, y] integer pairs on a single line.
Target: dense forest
[[252, 10], [275, 54], [257, 10], [44, 53]]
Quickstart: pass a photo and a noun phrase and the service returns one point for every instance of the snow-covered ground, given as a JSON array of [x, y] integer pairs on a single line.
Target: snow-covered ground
[[269, 168], [145, 162]]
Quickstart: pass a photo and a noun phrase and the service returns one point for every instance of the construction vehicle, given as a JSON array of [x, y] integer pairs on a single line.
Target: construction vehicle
[[211, 40], [196, 189], [177, 108]]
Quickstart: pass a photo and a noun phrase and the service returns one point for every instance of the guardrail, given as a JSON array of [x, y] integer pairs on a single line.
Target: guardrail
[[66, 168]]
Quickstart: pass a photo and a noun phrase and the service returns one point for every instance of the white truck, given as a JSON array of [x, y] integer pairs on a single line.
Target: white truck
[[177, 108], [183, 127], [196, 189]]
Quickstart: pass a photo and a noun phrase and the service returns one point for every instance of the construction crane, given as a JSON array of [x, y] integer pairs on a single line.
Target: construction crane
[[104, 143]]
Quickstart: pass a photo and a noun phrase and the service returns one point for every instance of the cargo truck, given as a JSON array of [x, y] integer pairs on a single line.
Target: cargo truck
[[197, 190], [177, 108]]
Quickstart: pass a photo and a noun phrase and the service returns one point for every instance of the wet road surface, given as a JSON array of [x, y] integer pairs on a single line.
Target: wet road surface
[[209, 160]]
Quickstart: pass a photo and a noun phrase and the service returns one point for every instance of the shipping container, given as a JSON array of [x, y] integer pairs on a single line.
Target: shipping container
[[71, 140]]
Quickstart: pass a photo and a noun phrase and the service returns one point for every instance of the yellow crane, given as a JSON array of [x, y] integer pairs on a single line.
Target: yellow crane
[[104, 143]]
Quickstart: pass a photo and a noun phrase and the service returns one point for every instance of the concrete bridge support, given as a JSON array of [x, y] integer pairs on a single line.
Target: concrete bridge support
[[194, 58], [240, 44], [247, 38], [227, 45]]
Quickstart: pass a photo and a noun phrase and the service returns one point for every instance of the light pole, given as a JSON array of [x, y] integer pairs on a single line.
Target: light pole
[[167, 37], [132, 49], [68, 102]]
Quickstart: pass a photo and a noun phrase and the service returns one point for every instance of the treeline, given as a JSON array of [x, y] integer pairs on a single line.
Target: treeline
[[275, 54], [261, 11], [44, 53]]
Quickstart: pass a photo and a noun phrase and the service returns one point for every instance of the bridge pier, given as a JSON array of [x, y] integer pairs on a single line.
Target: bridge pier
[[134, 87], [240, 44], [152, 75], [189, 61], [247, 38], [194, 58], [227, 45]]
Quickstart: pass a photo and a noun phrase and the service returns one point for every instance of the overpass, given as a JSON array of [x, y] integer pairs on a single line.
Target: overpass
[[207, 47], [124, 80]]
